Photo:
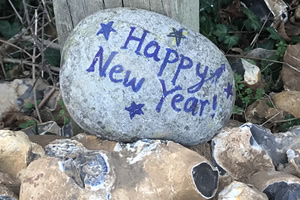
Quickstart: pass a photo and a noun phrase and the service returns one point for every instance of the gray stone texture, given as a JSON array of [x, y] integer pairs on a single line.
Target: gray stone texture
[[183, 89]]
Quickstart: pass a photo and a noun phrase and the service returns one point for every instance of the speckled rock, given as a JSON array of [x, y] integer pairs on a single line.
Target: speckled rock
[[142, 170], [129, 74], [241, 191], [16, 151]]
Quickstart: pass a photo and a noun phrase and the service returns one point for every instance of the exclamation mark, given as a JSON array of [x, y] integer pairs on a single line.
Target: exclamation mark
[[214, 105]]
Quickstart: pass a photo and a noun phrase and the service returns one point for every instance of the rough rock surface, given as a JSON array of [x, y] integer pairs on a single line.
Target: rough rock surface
[[129, 74], [288, 101], [290, 141], [17, 94], [290, 74], [16, 151], [141, 170], [12, 184], [277, 185], [6, 194], [259, 112], [238, 155], [241, 191]]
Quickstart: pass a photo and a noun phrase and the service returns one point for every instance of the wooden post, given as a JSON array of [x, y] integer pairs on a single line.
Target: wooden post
[[68, 13]]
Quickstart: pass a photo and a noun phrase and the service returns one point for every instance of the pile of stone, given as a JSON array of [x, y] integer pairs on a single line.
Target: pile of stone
[[246, 162]]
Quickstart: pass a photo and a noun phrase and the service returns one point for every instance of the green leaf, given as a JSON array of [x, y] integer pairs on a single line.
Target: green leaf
[[8, 30], [267, 44], [274, 34], [220, 31], [248, 91], [270, 104], [259, 93], [206, 25], [66, 120], [62, 112], [231, 41], [295, 38], [237, 77], [52, 56], [241, 86], [246, 100], [281, 48], [253, 20], [27, 124], [28, 106], [237, 110]]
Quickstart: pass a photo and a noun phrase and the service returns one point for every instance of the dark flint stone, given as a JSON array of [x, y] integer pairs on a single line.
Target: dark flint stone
[[206, 179], [283, 191]]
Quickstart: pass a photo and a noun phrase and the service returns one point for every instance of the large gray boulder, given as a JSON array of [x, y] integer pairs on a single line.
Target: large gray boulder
[[129, 74]]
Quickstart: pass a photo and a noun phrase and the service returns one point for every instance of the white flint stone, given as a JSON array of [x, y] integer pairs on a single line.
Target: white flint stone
[[129, 74], [252, 73], [237, 190]]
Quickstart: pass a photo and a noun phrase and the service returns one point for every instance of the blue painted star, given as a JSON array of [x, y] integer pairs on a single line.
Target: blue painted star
[[135, 109], [178, 35], [106, 29], [228, 90]]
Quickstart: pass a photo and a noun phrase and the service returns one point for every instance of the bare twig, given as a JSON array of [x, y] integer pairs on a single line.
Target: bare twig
[[18, 15], [43, 55], [29, 24], [50, 44], [3, 41], [263, 59], [6, 17], [33, 69], [278, 112], [258, 34], [270, 118], [12, 60], [2, 67], [46, 97], [12, 40], [46, 47], [286, 120], [45, 8]]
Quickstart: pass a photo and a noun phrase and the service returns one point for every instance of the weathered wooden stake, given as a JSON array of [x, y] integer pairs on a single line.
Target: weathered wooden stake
[[68, 13]]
